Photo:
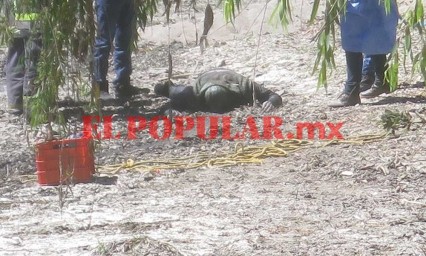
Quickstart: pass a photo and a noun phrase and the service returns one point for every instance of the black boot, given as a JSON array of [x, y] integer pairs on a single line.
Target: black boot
[[380, 85], [366, 82], [377, 89], [125, 91], [15, 109], [122, 92], [346, 100]]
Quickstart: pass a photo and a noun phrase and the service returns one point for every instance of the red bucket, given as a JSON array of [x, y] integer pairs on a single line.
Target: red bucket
[[67, 161]]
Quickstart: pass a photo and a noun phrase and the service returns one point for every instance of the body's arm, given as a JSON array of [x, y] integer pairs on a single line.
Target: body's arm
[[267, 98]]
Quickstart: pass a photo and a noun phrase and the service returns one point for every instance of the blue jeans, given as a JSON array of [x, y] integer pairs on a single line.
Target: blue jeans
[[367, 66], [115, 20], [354, 62]]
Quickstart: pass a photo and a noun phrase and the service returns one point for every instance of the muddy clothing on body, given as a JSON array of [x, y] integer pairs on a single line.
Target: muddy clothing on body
[[221, 90]]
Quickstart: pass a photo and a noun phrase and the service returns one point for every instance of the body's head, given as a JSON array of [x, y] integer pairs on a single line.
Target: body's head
[[181, 97], [162, 89]]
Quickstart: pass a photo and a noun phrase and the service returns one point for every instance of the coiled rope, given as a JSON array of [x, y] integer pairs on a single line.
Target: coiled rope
[[241, 155]]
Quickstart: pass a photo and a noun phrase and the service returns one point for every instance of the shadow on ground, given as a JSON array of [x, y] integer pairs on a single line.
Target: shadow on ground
[[396, 100]]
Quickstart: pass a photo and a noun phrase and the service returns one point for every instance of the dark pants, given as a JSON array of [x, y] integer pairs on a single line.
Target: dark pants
[[21, 68], [354, 62], [115, 24]]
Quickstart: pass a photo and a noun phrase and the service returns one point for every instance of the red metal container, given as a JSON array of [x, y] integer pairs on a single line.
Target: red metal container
[[67, 161]]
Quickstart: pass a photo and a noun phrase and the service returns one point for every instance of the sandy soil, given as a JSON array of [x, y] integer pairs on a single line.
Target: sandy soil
[[341, 199]]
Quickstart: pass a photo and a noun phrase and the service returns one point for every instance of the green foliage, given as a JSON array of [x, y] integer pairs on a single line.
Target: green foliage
[[326, 38], [145, 10], [391, 74], [66, 39], [67, 30], [412, 25], [229, 7], [282, 14], [393, 120]]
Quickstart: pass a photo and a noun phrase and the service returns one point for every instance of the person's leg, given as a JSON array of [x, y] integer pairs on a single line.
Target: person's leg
[[32, 56], [368, 74], [354, 72], [367, 66], [15, 71], [380, 67], [380, 86], [106, 13], [122, 51], [350, 96]]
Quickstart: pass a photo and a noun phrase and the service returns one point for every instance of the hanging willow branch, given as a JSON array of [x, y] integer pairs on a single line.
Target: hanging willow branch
[[282, 14], [67, 30], [63, 37]]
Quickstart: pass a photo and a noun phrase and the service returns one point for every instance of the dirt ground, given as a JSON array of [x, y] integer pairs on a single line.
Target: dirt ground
[[343, 199]]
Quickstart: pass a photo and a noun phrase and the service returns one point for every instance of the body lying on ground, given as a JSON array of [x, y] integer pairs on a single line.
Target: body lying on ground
[[218, 91]]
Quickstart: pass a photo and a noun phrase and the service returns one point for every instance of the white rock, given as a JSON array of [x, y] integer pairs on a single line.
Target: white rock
[[347, 173]]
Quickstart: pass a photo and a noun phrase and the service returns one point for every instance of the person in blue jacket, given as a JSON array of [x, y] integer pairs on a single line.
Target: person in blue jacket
[[366, 28]]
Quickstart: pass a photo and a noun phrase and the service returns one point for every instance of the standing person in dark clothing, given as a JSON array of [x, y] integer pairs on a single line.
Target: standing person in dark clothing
[[115, 21], [218, 91], [366, 28], [22, 58]]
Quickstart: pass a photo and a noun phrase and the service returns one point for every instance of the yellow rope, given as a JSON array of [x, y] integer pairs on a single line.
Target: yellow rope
[[241, 155]]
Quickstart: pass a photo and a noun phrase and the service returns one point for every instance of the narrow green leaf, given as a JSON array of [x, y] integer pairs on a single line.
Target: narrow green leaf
[[314, 11]]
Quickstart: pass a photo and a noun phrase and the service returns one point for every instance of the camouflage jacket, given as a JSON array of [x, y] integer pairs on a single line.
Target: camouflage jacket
[[242, 87]]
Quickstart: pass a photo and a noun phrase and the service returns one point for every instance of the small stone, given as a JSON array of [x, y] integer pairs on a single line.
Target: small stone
[[347, 173], [221, 63]]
